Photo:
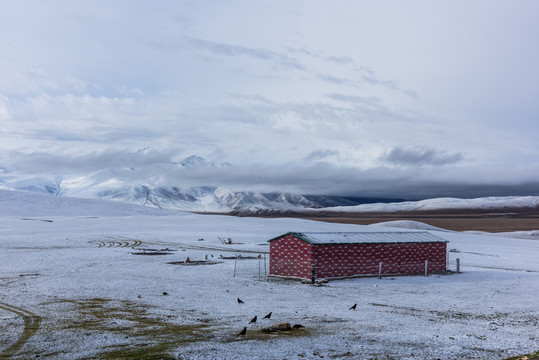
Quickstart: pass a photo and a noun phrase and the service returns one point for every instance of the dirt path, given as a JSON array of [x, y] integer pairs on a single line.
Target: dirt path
[[31, 326]]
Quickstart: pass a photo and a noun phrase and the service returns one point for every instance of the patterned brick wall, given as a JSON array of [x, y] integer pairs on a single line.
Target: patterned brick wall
[[291, 257], [343, 260]]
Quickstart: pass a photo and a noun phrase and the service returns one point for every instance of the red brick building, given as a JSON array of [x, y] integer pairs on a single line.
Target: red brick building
[[347, 254]]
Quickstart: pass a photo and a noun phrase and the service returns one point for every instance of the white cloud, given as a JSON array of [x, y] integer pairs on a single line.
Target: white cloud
[[276, 83]]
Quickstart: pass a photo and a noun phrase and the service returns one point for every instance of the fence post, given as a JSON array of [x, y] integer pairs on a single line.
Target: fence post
[[235, 261], [313, 274], [265, 271], [258, 268], [380, 271], [426, 268], [458, 266]]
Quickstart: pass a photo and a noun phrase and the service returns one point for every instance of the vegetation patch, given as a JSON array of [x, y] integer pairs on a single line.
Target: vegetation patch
[[31, 326], [531, 356], [138, 334]]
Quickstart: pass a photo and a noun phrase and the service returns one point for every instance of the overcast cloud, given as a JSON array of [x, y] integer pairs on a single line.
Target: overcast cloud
[[413, 99], [420, 156]]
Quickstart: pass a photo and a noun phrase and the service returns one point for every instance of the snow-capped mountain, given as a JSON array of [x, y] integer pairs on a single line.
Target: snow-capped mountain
[[149, 178], [144, 178], [204, 198], [195, 161], [39, 183]]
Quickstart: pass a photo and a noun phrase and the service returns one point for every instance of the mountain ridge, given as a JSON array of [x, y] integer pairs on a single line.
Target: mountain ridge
[[148, 178], [141, 179]]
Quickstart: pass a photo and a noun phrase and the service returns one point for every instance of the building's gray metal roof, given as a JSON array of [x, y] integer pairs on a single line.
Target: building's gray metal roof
[[389, 237]]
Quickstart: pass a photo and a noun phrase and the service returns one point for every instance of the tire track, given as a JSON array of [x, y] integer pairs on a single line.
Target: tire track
[[121, 241], [32, 323], [116, 241]]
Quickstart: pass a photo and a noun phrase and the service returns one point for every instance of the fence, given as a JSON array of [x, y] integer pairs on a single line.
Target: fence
[[341, 269], [454, 264], [254, 266], [259, 267]]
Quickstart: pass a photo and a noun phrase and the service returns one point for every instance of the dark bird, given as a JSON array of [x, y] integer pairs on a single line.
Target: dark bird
[[297, 326], [267, 316], [242, 332], [240, 301], [253, 320], [165, 293], [353, 307]]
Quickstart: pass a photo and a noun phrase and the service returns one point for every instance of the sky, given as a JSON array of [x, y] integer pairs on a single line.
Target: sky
[[407, 99]]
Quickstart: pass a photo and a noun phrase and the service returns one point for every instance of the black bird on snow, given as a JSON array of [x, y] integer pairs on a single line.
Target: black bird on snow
[[353, 307], [267, 316], [240, 301], [297, 326], [253, 320], [165, 293], [242, 332]]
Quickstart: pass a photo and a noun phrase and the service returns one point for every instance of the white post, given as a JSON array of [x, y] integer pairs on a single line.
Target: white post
[[380, 271], [426, 268], [265, 271], [258, 268]]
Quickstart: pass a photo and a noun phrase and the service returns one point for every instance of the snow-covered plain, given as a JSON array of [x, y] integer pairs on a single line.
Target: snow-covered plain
[[492, 202], [71, 288]]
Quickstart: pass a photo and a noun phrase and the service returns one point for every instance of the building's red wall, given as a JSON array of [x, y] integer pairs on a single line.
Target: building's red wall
[[343, 260], [290, 257]]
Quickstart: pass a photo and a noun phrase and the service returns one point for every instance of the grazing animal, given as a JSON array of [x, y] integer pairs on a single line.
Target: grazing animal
[[240, 301], [243, 332], [297, 326], [353, 307], [165, 293], [253, 320], [267, 316]]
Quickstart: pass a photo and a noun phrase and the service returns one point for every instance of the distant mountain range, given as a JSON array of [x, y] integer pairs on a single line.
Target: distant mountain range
[[141, 181], [148, 178]]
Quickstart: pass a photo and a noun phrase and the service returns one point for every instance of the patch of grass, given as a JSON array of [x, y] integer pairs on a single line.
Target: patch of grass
[[531, 356], [139, 354], [134, 330], [142, 352], [147, 336]]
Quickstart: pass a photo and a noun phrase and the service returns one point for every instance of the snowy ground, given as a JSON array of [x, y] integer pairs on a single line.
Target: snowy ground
[[444, 203], [70, 288]]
